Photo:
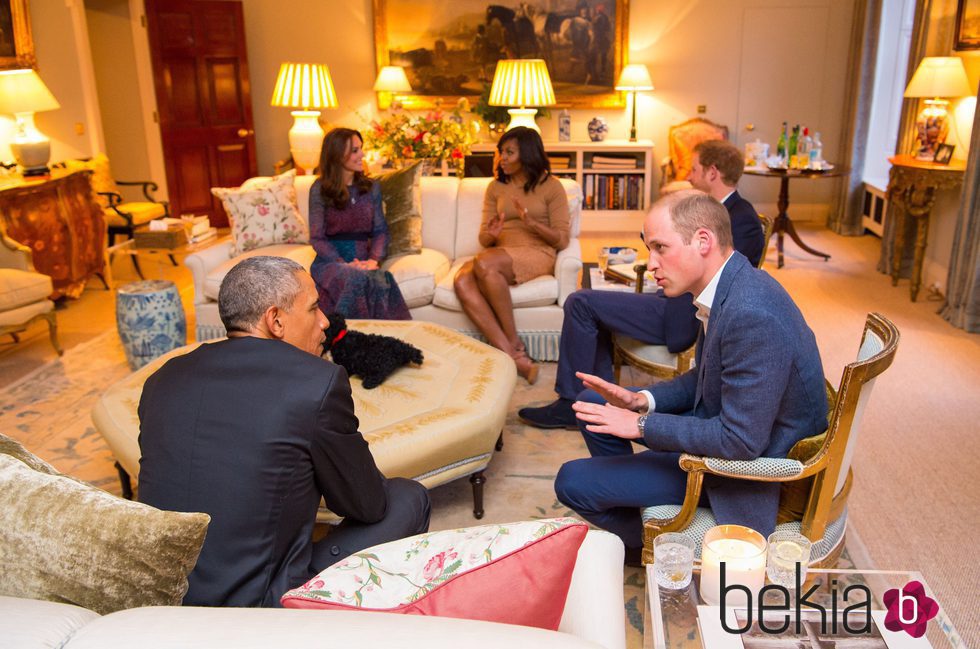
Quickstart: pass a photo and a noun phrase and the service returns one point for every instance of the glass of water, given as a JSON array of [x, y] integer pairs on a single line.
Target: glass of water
[[786, 551], [673, 560]]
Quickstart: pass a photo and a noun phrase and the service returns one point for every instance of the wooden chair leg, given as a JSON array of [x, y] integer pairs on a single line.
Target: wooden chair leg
[[617, 364], [53, 331], [136, 264], [125, 482], [478, 480]]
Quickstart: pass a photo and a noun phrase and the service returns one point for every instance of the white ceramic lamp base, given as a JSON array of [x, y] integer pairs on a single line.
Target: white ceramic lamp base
[[523, 117], [306, 139]]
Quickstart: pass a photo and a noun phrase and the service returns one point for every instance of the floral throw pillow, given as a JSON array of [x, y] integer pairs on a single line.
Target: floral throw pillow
[[265, 215], [515, 573]]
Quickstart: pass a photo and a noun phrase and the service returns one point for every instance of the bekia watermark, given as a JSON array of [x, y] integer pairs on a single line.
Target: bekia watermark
[[909, 608], [770, 624]]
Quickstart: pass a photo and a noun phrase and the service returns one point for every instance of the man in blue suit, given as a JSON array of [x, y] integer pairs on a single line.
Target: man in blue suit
[[757, 389], [592, 316]]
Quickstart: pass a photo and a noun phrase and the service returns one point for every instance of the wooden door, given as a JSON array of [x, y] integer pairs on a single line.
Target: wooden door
[[200, 67]]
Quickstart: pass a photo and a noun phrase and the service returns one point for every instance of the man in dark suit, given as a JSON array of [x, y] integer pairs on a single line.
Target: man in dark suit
[[758, 387], [254, 430], [593, 316]]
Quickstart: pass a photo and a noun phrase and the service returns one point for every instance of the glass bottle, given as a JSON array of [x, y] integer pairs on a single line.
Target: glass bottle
[[781, 144]]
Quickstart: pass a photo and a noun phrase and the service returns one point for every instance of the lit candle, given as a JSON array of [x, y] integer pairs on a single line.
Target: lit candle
[[743, 551]]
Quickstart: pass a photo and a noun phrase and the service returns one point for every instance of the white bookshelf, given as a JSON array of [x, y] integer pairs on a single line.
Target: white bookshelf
[[616, 197]]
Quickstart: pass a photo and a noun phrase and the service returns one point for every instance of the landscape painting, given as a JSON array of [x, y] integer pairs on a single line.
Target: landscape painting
[[450, 49]]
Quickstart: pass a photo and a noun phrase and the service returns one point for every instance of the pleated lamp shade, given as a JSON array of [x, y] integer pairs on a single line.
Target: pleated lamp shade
[[306, 86], [522, 83]]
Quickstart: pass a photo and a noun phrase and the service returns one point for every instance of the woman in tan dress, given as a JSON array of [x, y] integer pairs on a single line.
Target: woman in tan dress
[[525, 224]]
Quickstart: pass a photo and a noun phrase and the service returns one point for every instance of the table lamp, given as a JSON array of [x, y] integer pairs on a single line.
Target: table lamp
[[22, 93], [634, 78], [306, 86], [391, 79], [936, 77], [522, 83]]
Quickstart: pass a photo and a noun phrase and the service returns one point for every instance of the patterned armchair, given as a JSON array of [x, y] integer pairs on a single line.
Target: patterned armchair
[[24, 293], [681, 139], [815, 477]]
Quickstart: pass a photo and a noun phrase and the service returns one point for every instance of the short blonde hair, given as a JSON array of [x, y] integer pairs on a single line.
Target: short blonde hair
[[691, 210]]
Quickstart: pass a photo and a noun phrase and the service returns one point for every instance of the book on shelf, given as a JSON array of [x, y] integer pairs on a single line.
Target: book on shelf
[[614, 162]]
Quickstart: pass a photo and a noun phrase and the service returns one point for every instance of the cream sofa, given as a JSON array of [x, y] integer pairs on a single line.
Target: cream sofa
[[593, 618], [451, 213]]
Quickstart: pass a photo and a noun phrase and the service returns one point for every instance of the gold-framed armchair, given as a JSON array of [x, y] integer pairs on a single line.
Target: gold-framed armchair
[[681, 140], [657, 360], [24, 293], [816, 475]]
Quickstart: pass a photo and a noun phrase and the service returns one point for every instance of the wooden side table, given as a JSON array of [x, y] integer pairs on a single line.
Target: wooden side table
[[62, 224], [912, 188]]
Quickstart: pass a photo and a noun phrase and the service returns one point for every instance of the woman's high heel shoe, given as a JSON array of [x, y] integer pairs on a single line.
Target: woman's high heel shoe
[[527, 368]]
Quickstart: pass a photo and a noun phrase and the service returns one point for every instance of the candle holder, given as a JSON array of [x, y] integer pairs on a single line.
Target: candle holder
[[743, 551]]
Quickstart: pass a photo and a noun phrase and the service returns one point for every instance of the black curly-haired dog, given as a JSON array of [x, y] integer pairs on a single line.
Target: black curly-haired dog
[[370, 356]]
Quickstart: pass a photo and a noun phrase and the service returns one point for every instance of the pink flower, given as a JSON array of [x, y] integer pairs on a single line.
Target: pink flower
[[434, 566], [263, 210], [317, 585]]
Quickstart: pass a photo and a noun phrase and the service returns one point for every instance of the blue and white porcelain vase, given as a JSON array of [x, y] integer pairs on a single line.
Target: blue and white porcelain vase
[[150, 319]]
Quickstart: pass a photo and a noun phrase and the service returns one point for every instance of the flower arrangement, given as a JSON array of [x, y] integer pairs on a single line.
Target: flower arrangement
[[435, 134]]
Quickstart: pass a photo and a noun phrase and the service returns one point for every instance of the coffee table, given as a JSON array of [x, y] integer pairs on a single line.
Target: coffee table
[[671, 617]]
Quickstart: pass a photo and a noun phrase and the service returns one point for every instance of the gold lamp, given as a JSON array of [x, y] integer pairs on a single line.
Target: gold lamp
[[634, 78], [306, 86], [936, 77], [391, 79], [22, 93], [524, 83]]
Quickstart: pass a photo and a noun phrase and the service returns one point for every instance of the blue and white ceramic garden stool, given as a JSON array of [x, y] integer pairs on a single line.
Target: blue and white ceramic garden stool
[[150, 319]]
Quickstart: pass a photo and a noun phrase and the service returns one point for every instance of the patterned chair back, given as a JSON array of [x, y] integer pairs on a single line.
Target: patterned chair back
[[682, 139]]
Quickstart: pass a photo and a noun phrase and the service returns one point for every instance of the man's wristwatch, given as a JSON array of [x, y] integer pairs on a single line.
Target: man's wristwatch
[[641, 423]]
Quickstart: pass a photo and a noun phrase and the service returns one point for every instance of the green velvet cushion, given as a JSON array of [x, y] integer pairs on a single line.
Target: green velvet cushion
[[63, 540], [402, 196]]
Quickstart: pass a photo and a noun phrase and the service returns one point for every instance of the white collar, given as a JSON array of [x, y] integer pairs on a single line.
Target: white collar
[[727, 196], [706, 298]]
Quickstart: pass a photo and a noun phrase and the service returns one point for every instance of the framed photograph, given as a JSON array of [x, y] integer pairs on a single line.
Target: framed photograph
[[968, 25], [944, 153], [16, 44], [450, 50]]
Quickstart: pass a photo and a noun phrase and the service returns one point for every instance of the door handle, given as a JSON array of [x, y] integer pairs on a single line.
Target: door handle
[[245, 132]]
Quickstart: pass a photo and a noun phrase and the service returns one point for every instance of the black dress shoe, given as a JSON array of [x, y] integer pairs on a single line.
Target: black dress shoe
[[557, 414]]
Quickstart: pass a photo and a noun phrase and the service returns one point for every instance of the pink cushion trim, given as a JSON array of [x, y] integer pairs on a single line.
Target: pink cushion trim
[[527, 586]]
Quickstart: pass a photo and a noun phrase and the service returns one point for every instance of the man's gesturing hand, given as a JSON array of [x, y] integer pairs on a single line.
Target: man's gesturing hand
[[607, 419], [614, 394]]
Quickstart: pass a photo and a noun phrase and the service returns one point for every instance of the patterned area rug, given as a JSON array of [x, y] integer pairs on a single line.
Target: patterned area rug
[[49, 412]]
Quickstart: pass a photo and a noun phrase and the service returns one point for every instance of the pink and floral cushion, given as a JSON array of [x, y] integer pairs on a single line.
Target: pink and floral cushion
[[516, 573], [265, 215]]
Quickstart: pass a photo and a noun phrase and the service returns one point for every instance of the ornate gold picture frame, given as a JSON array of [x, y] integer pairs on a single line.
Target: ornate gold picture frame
[[968, 25], [16, 43], [449, 49]]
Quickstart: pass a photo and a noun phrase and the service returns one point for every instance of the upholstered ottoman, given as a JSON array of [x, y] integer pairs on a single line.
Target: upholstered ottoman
[[434, 423]]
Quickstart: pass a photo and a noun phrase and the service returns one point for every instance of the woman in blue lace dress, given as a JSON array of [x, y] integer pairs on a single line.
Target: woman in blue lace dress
[[350, 236]]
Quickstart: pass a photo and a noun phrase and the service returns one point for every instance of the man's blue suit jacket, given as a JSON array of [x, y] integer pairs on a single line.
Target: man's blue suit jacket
[[758, 388]]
